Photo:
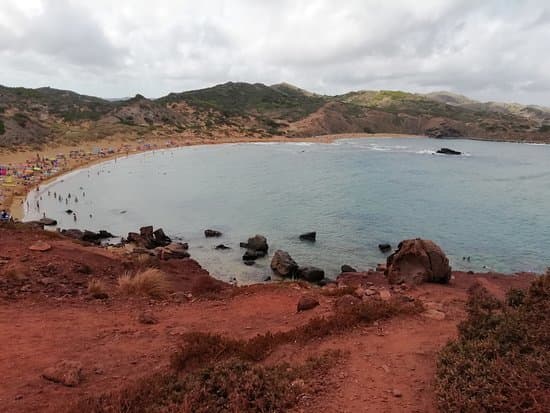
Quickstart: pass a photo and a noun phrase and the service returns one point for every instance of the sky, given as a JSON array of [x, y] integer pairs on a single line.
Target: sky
[[488, 50]]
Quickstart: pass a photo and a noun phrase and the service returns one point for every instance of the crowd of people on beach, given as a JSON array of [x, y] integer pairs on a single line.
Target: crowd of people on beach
[[19, 178]]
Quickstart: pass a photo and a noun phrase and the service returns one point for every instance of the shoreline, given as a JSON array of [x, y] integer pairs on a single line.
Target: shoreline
[[14, 201]]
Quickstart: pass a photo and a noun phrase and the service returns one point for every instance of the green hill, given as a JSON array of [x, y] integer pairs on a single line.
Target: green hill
[[34, 117]]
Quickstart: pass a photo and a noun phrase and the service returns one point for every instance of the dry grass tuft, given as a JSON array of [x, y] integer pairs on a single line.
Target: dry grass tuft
[[145, 261], [500, 362], [97, 288], [150, 282]]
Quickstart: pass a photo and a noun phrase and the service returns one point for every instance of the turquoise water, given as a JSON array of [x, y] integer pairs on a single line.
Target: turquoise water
[[491, 204]]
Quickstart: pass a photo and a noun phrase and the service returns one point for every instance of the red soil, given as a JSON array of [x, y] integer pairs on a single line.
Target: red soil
[[57, 320]]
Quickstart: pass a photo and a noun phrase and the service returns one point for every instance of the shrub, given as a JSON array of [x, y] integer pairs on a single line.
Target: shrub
[[500, 361], [21, 119], [150, 282], [2, 127], [232, 386], [97, 288]]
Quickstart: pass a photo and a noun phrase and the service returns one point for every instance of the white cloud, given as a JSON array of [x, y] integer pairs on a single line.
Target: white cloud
[[492, 50]]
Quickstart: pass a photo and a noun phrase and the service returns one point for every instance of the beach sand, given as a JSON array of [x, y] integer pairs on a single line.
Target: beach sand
[[14, 197]]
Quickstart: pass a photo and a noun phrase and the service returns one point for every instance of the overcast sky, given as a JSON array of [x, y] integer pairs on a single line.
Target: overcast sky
[[489, 50]]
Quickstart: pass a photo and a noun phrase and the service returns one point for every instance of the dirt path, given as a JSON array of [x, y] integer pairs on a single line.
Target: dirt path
[[115, 348]]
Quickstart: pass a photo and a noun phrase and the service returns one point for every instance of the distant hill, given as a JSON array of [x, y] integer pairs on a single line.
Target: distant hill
[[34, 117]]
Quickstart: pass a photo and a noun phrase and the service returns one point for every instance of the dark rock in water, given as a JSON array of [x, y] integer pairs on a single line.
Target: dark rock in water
[[72, 233], [417, 261], [384, 247], [248, 262], [447, 151], [308, 236], [311, 274], [105, 234], [251, 255], [148, 238], [257, 243], [268, 278], [222, 247], [90, 236], [48, 221], [307, 302], [347, 268], [283, 264], [146, 231], [243, 245], [134, 237], [208, 233], [160, 238], [69, 211]]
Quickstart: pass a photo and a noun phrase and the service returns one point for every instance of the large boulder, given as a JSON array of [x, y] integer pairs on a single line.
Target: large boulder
[[417, 261], [257, 243], [148, 238], [283, 264], [311, 274], [161, 239], [174, 250]]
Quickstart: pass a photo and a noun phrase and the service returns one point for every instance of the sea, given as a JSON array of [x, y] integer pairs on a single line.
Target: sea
[[489, 208]]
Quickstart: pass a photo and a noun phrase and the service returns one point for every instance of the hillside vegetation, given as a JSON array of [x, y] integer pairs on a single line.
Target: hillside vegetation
[[34, 117]]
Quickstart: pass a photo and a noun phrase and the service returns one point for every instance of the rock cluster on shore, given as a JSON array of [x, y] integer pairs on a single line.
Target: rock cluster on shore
[[282, 264], [158, 243]]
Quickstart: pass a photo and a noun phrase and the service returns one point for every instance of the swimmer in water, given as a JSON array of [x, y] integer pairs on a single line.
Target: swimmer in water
[[74, 217]]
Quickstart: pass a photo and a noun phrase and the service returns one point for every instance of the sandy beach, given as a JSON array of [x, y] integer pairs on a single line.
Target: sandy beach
[[15, 195]]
